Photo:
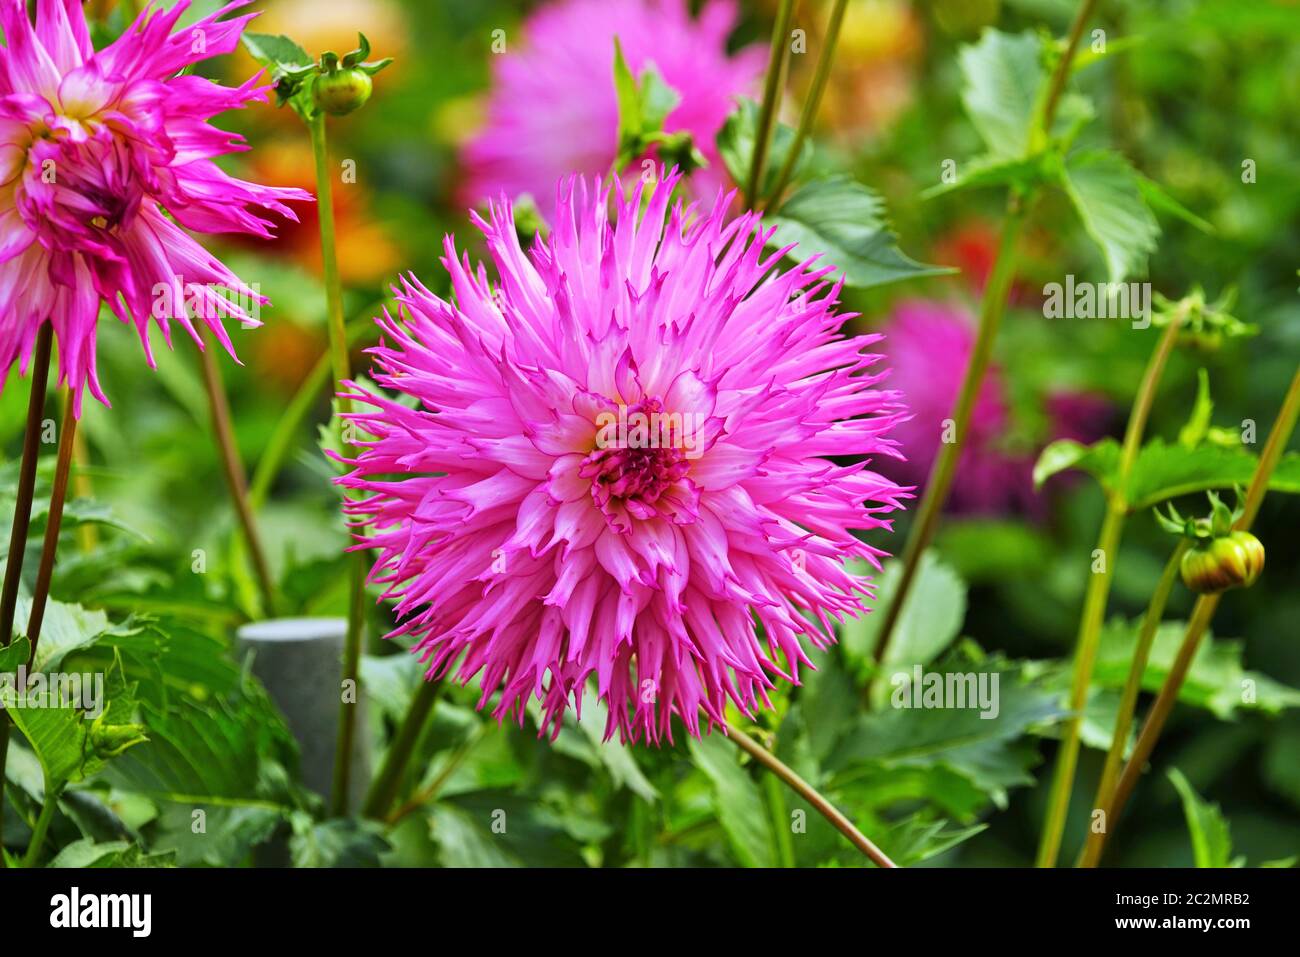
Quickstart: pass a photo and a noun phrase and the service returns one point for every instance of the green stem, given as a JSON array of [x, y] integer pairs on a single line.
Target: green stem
[[1202, 614], [1056, 85], [945, 463], [22, 520], [775, 79], [342, 371], [991, 309], [53, 522], [1274, 446], [50, 804], [1128, 698], [233, 467], [384, 788], [811, 105], [1097, 594], [810, 794]]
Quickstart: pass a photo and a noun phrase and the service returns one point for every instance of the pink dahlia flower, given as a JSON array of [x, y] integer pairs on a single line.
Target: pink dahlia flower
[[617, 460], [106, 161], [553, 110], [929, 346]]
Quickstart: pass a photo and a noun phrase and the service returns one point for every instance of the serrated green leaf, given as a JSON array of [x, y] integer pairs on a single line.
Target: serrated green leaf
[[737, 800], [1107, 195], [15, 654], [67, 628], [844, 221], [273, 51], [1100, 460], [1162, 471], [1216, 681], [989, 752], [74, 730], [1211, 840], [1002, 74], [232, 751]]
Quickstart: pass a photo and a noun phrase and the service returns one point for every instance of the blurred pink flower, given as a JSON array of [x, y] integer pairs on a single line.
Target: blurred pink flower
[[929, 344], [617, 460], [105, 160], [553, 112]]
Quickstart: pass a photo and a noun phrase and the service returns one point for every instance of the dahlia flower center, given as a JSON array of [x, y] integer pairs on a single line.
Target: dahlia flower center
[[77, 188], [638, 458]]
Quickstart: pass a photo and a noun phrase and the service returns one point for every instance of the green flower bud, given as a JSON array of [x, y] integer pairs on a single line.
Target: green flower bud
[[1234, 560], [343, 91]]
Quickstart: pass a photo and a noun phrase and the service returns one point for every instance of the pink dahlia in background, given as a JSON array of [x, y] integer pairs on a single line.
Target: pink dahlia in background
[[616, 460], [929, 345], [106, 161], [553, 112]]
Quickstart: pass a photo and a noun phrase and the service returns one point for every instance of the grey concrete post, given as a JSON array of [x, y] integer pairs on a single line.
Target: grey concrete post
[[300, 661]]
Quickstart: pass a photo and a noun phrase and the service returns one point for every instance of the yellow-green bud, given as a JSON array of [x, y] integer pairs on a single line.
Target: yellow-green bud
[[1234, 560]]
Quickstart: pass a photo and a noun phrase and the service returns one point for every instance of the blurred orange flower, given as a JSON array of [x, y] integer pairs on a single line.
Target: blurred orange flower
[[367, 253]]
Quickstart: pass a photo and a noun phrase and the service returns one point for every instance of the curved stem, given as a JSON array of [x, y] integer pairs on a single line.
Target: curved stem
[[53, 523], [811, 105], [1202, 614], [236, 478], [809, 794], [1128, 699], [384, 788], [1097, 594], [342, 371], [42, 826], [945, 463], [1274, 446], [775, 79]]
